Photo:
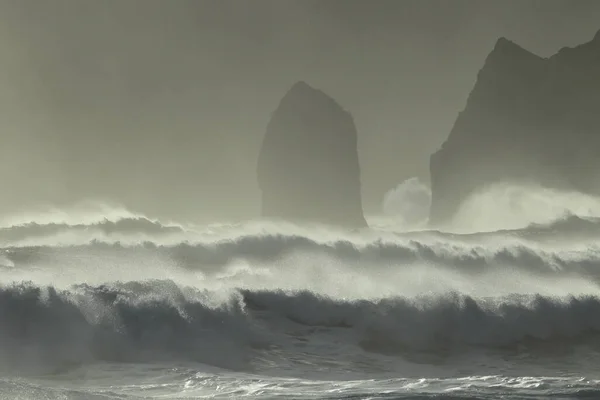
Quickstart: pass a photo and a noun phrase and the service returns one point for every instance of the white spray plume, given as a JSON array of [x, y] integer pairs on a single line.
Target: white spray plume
[[409, 202]]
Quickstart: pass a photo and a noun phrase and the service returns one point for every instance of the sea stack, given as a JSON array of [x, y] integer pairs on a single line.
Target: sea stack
[[527, 120], [308, 168]]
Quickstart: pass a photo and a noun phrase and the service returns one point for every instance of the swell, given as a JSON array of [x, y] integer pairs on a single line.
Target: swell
[[141, 225], [567, 243], [398, 250], [443, 321], [42, 327], [103, 228]]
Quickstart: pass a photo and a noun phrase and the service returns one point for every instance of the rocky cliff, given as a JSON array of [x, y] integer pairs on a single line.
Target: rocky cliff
[[308, 168], [528, 119]]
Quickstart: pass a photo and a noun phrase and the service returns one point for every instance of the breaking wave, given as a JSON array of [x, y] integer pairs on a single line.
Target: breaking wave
[[140, 226], [278, 298], [42, 327], [506, 206], [531, 249], [409, 202]]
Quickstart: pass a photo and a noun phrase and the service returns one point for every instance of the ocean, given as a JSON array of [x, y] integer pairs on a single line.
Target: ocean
[[116, 305]]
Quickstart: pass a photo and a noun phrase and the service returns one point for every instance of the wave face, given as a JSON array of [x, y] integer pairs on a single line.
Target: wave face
[[159, 320], [222, 310]]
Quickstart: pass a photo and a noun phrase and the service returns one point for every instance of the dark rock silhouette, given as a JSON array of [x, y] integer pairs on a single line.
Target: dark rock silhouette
[[528, 119], [308, 168]]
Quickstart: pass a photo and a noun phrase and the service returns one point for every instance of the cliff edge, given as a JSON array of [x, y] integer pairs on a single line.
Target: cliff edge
[[308, 168], [527, 119]]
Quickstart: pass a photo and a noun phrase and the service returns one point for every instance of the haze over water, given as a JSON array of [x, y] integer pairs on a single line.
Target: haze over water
[[132, 261], [100, 302]]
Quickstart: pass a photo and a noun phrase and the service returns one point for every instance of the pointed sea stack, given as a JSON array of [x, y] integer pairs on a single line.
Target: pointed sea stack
[[308, 168], [527, 120]]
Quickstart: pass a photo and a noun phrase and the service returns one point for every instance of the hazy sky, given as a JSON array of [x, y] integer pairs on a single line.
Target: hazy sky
[[163, 104]]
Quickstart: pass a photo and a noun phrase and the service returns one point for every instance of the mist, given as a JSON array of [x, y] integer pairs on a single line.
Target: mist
[[161, 106]]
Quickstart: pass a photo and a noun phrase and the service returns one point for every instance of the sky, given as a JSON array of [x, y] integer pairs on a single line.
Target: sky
[[162, 105]]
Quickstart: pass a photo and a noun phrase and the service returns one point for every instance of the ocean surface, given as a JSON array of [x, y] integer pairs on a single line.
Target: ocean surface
[[115, 305]]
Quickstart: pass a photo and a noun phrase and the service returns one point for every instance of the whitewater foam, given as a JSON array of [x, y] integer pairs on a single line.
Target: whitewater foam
[[504, 206], [44, 329], [271, 309]]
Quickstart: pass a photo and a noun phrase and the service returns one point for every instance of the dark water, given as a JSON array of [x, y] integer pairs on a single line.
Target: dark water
[[126, 307]]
